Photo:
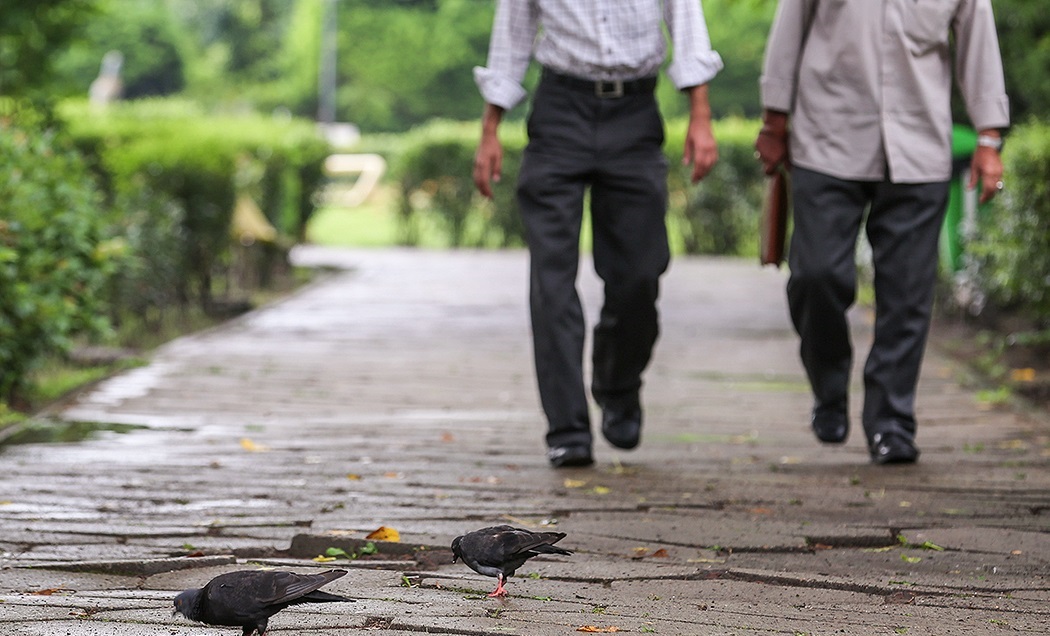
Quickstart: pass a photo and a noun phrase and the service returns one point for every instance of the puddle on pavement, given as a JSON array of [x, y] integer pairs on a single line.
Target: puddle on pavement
[[56, 431]]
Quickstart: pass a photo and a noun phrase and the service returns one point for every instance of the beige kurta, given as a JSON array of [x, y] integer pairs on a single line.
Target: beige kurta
[[868, 83]]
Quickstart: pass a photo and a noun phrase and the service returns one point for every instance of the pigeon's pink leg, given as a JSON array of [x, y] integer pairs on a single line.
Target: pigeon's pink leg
[[499, 592]]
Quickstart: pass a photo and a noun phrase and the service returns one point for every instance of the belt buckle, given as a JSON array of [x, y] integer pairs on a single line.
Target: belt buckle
[[608, 89]]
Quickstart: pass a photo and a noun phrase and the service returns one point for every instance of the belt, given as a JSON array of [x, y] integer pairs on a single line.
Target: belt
[[605, 89]]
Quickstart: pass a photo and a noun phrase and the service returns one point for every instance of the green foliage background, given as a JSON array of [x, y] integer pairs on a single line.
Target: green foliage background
[[153, 185], [54, 257]]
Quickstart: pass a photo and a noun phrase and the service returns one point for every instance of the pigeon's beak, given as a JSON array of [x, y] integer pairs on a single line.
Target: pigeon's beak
[[455, 557]]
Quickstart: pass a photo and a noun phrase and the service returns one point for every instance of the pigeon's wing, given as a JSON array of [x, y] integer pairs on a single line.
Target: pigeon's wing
[[524, 543], [288, 587]]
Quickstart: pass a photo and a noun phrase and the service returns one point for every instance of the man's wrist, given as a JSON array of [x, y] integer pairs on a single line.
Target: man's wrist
[[774, 123], [995, 142]]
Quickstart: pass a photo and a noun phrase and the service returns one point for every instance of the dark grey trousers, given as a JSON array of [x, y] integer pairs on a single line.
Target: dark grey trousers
[[902, 225], [612, 146]]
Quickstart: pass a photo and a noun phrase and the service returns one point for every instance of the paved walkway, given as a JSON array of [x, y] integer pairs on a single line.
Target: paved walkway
[[397, 391]]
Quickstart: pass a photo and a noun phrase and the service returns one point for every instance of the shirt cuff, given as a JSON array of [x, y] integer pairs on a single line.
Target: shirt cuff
[[694, 71], [990, 113], [497, 90], [777, 94]]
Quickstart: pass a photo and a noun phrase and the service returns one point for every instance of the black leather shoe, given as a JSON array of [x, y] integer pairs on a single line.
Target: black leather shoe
[[891, 448], [622, 423], [569, 456], [831, 426]]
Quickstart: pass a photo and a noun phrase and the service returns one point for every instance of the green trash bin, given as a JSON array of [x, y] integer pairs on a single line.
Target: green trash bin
[[962, 203]]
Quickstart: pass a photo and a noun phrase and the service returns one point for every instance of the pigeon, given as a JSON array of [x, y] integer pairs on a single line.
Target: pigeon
[[500, 550], [247, 599]]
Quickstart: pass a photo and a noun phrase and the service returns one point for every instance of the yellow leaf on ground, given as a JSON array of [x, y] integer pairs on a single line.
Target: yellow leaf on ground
[[575, 483], [594, 629], [353, 477], [252, 447], [1022, 375], [384, 533], [320, 558]]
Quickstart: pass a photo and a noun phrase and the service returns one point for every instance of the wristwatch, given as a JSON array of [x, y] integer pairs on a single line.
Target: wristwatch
[[987, 141]]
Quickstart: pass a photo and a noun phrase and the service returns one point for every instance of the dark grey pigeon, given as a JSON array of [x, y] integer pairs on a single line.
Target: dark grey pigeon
[[500, 550], [248, 599]]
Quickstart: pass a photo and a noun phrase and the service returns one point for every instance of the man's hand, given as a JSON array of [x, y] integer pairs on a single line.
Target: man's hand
[[771, 147], [488, 160], [701, 150], [986, 168]]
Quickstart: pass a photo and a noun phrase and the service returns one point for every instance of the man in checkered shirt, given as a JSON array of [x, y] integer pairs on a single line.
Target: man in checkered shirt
[[594, 125]]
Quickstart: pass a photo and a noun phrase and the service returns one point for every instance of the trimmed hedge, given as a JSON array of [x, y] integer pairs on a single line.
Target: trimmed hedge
[[200, 164], [433, 169], [1010, 253], [55, 259]]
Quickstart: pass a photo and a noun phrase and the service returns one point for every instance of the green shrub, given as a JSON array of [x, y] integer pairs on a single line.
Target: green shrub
[[202, 163], [433, 168], [719, 215], [1011, 250], [54, 259]]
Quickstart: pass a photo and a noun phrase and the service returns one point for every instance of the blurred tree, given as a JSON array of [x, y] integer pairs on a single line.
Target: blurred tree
[[1024, 38], [143, 32], [738, 32], [231, 46], [30, 34], [400, 62]]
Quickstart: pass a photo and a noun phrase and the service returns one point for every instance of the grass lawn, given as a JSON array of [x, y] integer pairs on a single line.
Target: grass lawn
[[371, 224]]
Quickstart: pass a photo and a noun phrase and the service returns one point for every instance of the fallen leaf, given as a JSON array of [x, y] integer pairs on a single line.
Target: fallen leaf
[[384, 533], [574, 483], [353, 477], [908, 559], [660, 554], [448, 438], [1023, 375], [601, 490], [393, 475], [594, 629], [761, 511], [48, 592], [1016, 552], [252, 447], [320, 558]]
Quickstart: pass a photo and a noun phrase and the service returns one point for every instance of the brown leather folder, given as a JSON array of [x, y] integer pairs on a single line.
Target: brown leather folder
[[773, 229]]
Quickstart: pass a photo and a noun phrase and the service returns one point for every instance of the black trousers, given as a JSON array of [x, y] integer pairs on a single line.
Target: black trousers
[[902, 225], [577, 141]]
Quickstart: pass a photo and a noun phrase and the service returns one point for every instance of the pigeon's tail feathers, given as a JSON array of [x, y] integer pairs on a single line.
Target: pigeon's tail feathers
[[551, 549], [318, 596], [288, 586]]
